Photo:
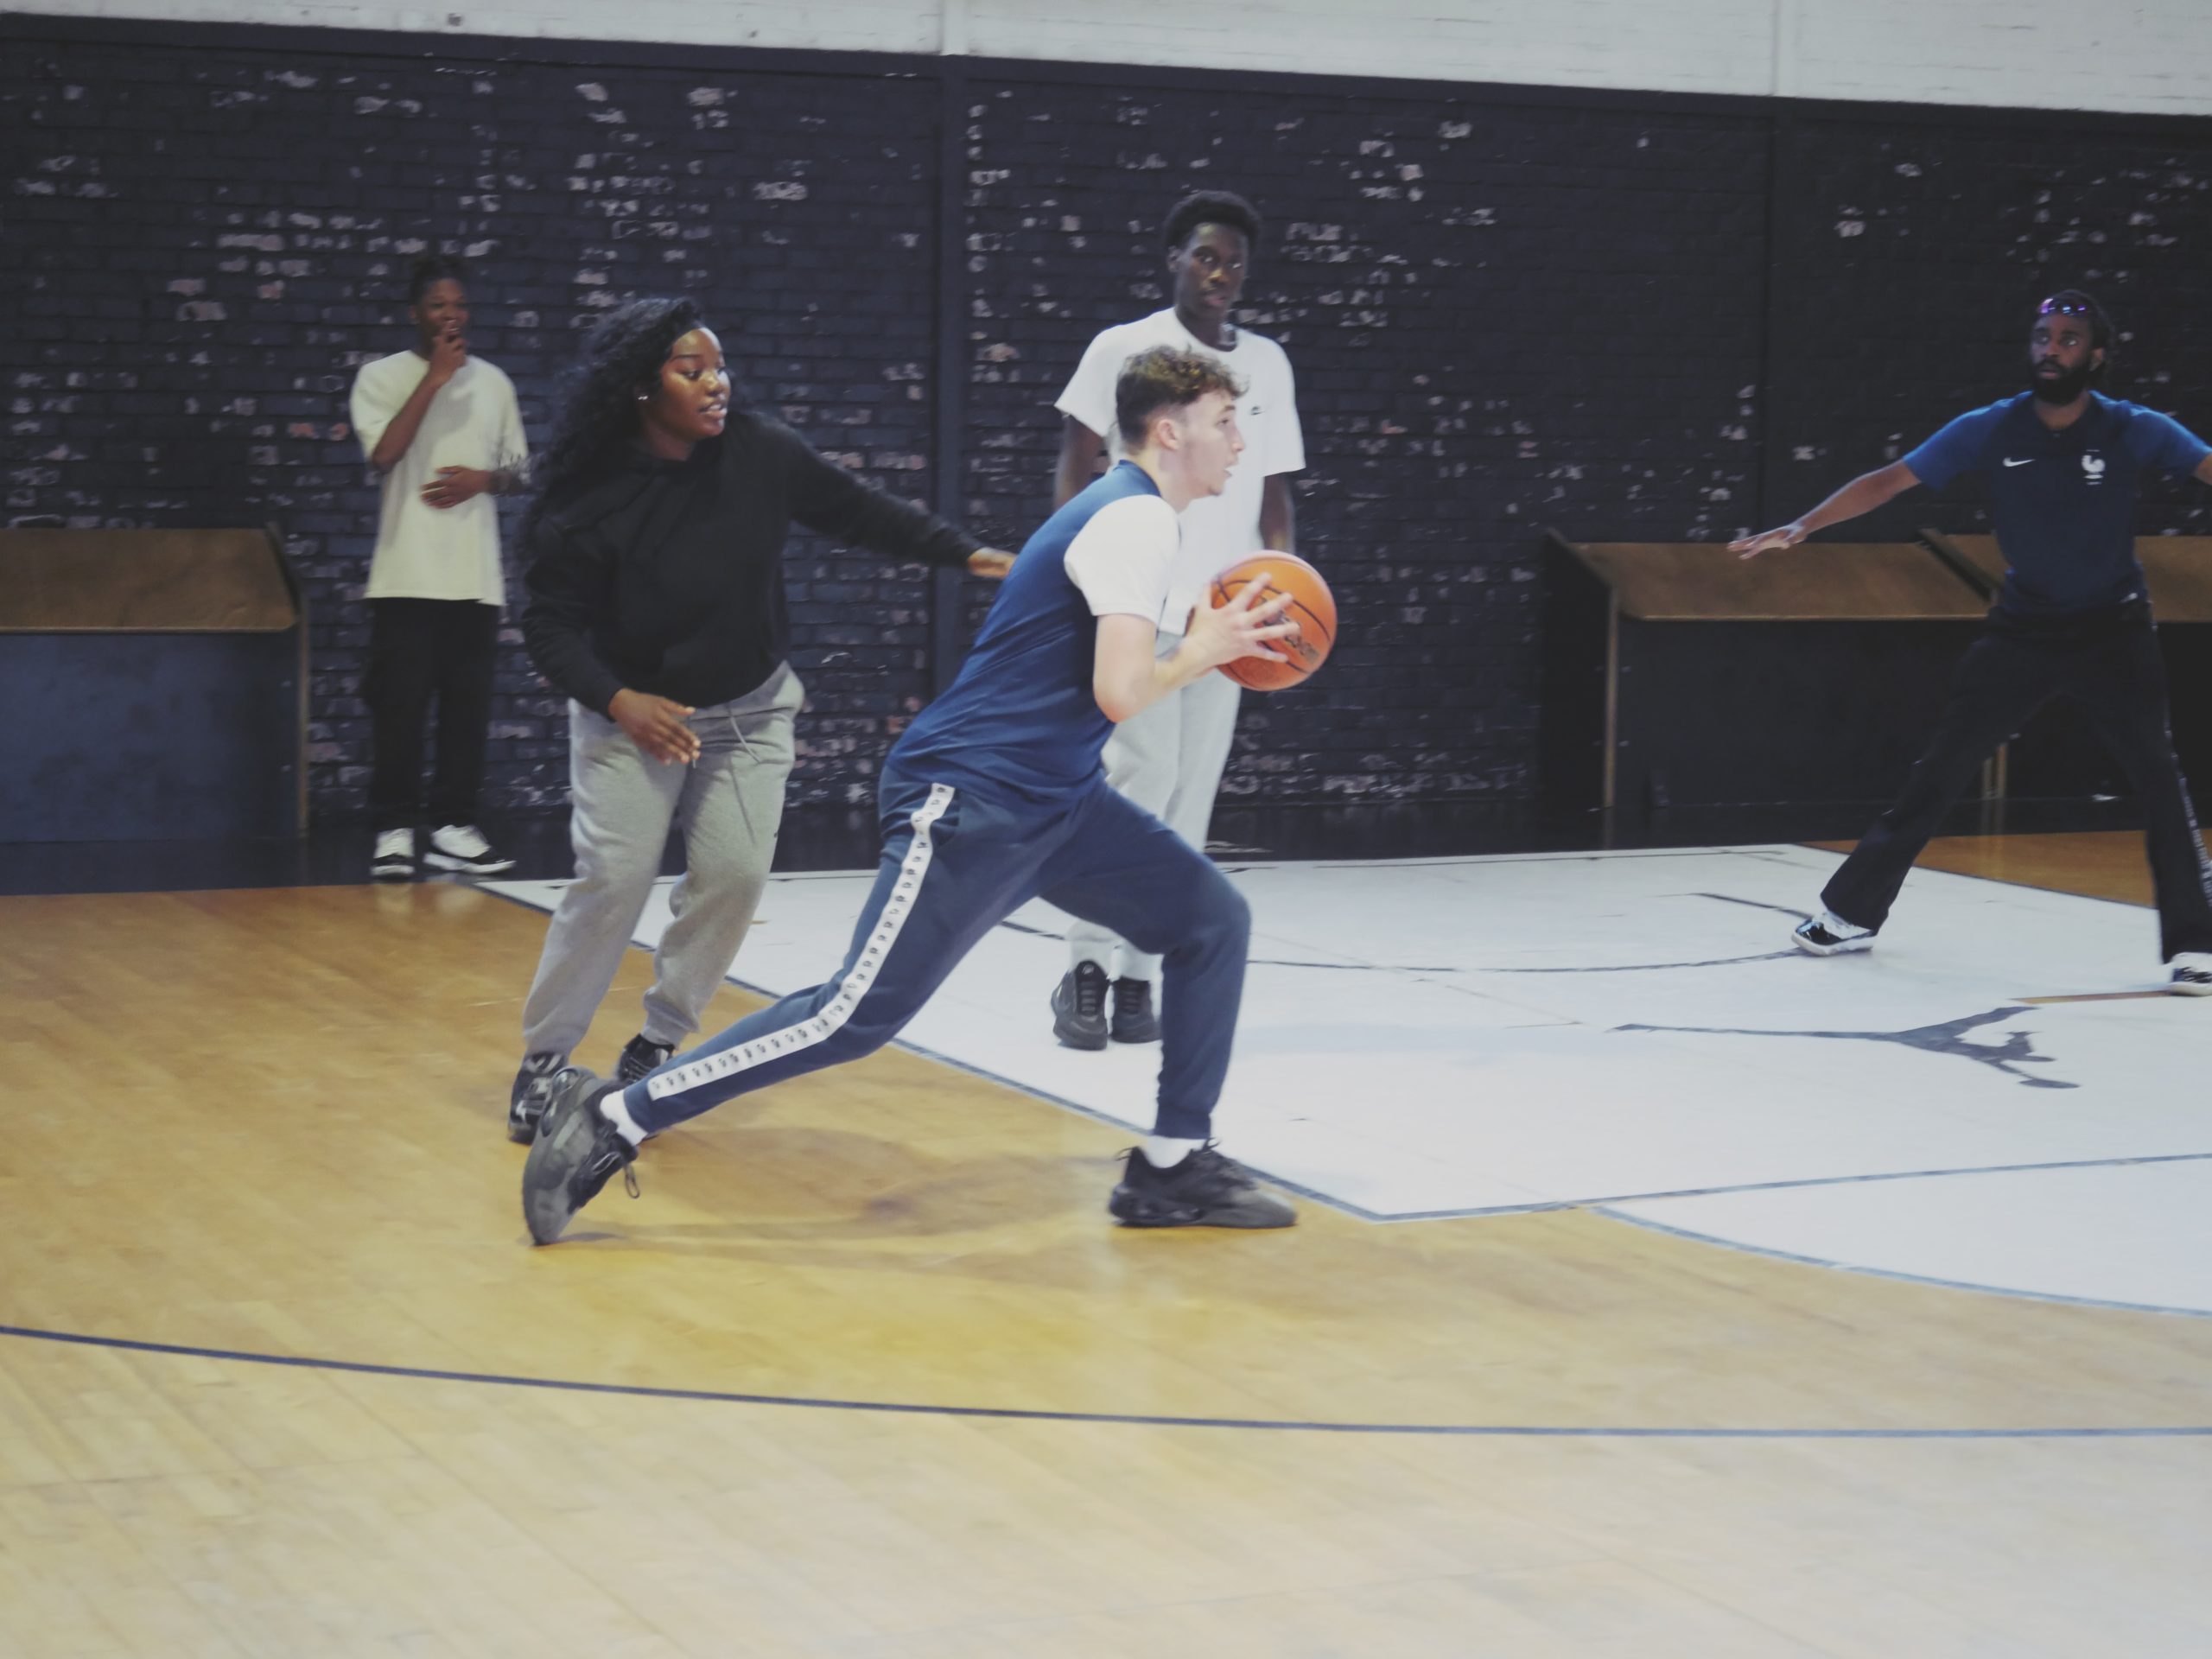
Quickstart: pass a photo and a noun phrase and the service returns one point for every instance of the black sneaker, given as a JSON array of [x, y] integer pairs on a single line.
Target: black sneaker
[[526, 1100], [640, 1056], [575, 1152], [1079, 1006], [1207, 1189], [1133, 1019], [462, 847]]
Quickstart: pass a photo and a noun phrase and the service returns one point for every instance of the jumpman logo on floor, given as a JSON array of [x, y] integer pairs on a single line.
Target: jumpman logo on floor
[[1950, 1038]]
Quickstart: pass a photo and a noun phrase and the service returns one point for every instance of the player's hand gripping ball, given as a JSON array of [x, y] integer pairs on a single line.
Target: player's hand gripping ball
[[1311, 607]]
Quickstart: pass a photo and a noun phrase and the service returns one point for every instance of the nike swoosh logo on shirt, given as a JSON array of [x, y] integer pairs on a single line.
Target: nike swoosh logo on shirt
[[2030, 462]]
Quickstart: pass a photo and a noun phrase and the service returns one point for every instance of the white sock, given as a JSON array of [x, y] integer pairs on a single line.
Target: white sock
[[616, 1110], [1163, 1152]]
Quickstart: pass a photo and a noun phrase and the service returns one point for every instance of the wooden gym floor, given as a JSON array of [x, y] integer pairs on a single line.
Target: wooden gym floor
[[871, 1375]]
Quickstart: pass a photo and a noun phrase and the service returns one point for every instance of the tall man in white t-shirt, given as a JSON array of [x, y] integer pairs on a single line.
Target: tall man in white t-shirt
[[1169, 759], [443, 429]]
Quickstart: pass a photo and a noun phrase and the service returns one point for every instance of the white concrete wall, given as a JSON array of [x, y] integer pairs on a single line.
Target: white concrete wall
[[2144, 55]]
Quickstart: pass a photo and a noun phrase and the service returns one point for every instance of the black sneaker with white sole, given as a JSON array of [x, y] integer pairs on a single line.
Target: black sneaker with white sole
[[1079, 1006], [1206, 1189], [527, 1100], [394, 858], [462, 847], [2193, 973], [1134, 1019], [640, 1055], [577, 1152], [1829, 935]]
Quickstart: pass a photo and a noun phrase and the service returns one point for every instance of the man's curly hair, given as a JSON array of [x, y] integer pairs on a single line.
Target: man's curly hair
[[1164, 377]]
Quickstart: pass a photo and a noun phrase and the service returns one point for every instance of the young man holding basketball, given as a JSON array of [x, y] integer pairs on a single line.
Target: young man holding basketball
[[1169, 759], [994, 796], [2064, 465]]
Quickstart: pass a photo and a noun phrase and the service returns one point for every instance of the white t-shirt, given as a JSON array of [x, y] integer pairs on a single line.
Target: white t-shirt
[[1219, 530], [1124, 558], [423, 552]]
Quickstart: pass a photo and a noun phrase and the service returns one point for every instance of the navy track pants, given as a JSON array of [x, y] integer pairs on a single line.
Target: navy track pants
[[955, 865]]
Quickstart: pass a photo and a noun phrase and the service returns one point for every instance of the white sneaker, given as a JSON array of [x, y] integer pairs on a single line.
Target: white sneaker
[[462, 847], [2193, 973], [394, 858], [1828, 935]]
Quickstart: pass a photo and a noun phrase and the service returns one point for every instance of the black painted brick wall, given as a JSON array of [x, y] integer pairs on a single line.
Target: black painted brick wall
[[1907, 273], [1479, 305], [1658, 322], [212, 240]]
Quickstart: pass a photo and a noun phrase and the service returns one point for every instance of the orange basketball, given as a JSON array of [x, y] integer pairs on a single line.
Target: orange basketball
[[1312, 606]]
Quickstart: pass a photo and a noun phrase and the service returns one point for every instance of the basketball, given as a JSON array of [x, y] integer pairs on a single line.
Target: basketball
[[1312, 606]]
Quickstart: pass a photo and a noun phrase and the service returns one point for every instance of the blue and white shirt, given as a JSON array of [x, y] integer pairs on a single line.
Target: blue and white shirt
[[1022, 716], [2064, 502]]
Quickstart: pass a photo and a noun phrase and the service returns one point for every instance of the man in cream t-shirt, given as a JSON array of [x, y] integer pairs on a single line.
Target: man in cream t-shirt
[[443, 429], [1169, 759]]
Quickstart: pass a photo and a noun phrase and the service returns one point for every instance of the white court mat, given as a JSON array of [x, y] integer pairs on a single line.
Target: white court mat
[[1446, 1036]]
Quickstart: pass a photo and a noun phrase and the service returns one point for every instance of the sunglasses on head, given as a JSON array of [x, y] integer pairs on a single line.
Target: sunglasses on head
[[2066, 307]]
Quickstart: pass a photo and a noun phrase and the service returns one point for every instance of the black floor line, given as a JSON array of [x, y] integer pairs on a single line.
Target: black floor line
[[1143, 1420]]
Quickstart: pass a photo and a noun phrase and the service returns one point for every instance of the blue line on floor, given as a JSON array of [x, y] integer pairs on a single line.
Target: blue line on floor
[[1009, 1414], [1540, 1205]]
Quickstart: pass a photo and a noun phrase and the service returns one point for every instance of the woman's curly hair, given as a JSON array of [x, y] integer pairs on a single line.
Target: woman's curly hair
[[598, 412]]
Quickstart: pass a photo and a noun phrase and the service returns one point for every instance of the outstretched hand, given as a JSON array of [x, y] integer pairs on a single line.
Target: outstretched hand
[[1749, 547]]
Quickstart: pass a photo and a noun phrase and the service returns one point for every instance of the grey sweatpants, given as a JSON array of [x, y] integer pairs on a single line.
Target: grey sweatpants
[[727, 803], [1168, 759]]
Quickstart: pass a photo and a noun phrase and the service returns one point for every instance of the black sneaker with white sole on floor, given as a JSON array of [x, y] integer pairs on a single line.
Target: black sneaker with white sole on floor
[[394, 858], [1828, 935], [461, 848], [1206, 1188], [577, 1152], [2192, 971]]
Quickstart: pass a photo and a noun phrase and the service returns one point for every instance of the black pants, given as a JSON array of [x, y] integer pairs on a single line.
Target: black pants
[[2110, 665], [421, 649]]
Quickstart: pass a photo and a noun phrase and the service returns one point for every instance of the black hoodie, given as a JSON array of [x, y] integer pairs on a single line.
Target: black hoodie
[[666, 576]]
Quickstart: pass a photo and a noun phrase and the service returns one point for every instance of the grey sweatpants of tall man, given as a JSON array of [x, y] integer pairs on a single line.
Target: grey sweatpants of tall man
[[727, 803]]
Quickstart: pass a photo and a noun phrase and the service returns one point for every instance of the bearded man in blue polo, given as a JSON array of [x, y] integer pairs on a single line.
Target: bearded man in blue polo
[[2064, 465]]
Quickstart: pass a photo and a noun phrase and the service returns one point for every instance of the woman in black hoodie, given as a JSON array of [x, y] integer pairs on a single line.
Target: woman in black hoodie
[[656, 604]]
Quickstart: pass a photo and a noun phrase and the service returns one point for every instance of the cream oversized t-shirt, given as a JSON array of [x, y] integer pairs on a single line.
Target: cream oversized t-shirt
[[423, 552]]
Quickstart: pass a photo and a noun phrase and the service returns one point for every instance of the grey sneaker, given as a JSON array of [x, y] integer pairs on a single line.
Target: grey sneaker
[[1134, 1019], [1207, 1189], [527, 1100], [1079, 1006], [576, 1151]]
